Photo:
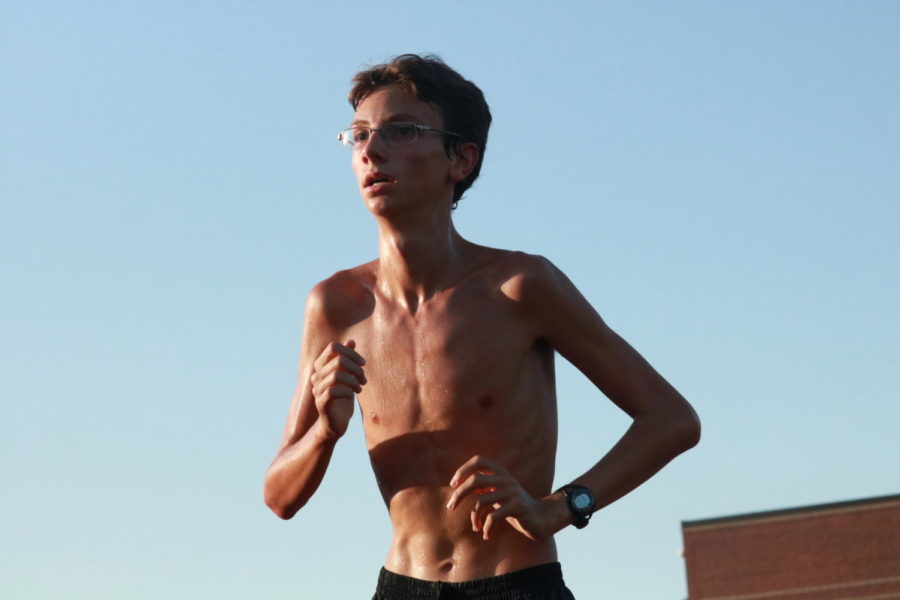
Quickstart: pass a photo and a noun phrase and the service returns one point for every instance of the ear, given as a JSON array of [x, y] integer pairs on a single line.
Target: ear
[[463, 161]]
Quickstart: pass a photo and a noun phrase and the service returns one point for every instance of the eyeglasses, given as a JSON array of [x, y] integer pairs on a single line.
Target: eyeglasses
[[392, 134]]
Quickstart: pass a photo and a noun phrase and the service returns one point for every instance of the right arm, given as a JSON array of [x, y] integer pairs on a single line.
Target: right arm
[[330, 374]]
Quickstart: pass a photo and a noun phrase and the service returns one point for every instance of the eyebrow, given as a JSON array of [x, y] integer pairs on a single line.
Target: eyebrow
[[400, 117]]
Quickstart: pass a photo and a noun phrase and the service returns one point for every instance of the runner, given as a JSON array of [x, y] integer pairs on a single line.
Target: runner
[[449, 347]]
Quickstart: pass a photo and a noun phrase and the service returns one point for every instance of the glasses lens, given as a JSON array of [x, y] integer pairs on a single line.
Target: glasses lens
[[346, 137], [358, 135], [394, 134], [399, 133]]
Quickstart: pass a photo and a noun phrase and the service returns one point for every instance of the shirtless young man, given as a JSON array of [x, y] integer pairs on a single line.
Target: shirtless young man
[[449, 348]]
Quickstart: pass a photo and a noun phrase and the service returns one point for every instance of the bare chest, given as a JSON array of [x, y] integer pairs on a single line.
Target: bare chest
[[462, 358]]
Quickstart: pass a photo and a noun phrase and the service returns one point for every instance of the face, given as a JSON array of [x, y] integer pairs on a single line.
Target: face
[[415, 175]]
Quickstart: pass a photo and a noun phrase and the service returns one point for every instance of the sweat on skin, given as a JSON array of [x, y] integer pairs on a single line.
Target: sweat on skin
[[448, 348]]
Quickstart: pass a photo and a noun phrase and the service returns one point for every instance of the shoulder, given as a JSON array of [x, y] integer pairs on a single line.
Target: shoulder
[[527, 279], [343, 299], [544, 296]]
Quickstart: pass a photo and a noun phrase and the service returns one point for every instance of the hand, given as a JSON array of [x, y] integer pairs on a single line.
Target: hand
[[336, 376], [498, 495]]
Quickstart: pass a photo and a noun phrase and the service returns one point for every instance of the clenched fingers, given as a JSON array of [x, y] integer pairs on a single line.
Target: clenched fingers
[[329, 386], [337, 369], [335, 349]]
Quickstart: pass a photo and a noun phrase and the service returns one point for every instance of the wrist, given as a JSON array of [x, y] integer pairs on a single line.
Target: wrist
[[323, 433], [559, 514]]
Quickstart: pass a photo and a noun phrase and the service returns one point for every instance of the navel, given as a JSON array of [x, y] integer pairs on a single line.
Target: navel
[[486, 402]]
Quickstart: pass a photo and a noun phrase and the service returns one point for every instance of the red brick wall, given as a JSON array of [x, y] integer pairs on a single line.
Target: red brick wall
[[821, 553]]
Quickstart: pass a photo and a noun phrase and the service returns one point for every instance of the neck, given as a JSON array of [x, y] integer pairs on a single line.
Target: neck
[[418, 259]]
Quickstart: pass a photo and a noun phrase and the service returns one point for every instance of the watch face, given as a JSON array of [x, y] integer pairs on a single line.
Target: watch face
[[582, 501]]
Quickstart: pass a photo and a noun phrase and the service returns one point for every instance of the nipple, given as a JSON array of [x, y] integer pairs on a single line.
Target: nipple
[[373, 416], [486, 401]]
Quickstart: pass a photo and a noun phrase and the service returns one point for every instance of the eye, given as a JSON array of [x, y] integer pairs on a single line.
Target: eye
[[359, 135], [400, 133]]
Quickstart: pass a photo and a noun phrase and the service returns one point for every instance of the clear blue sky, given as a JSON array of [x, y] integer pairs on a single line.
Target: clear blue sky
[[719, 178]]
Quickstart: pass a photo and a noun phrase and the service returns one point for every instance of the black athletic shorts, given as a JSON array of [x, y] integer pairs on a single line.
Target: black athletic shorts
[[543, 582]]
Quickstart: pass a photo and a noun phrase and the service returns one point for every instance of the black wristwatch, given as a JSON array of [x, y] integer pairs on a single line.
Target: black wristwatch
[[581, 503]]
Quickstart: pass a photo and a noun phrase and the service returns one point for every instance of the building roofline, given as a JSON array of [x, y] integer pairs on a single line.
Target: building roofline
[[795, 511]]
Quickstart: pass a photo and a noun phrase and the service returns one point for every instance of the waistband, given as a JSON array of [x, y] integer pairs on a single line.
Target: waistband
[[541, 581]]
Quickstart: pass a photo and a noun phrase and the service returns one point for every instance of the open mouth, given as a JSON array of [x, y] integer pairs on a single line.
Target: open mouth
[[376, 178]]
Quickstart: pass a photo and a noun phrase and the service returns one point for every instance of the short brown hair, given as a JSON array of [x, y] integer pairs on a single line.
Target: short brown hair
[[461, 103]]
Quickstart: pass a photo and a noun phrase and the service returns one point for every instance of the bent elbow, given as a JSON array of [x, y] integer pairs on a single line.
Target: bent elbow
[[688, 429], [275, 502], [676, 431], [282, 511]]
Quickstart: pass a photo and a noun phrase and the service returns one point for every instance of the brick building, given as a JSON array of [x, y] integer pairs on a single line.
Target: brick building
[[840, 551]]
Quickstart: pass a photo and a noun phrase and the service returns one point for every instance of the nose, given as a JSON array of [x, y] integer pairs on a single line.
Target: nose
[[373, 148]]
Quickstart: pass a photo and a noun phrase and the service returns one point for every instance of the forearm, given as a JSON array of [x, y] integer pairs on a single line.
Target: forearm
[[649, 444], [295, 474]]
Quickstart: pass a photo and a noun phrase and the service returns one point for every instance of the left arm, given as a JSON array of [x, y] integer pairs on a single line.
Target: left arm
[[664, 424]]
